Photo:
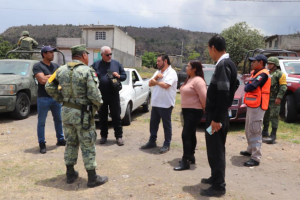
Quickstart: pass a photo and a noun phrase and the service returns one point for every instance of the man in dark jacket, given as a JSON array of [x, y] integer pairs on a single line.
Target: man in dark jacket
[[219, 98], [110, 96]]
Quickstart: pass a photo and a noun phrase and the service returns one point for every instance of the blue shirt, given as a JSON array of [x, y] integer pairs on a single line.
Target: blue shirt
[[101, 68], [259, 81]]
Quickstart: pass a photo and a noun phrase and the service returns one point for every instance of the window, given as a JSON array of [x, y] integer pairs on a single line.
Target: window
[[270, 44], [276, 44], [100, 35]]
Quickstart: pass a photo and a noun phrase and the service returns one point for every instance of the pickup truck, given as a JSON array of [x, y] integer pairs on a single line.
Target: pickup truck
[[290, 65], [18, 85], [135, 93]]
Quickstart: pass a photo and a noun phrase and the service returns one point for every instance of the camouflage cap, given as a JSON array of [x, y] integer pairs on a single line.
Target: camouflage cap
[[274, 60], [25, 33], [78, 49]]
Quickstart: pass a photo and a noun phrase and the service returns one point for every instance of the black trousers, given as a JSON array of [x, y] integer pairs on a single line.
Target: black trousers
[[191, 118], [215, 145], [113, 102]]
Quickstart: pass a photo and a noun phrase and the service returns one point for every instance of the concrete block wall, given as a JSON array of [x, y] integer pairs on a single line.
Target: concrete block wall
[[126, 59]]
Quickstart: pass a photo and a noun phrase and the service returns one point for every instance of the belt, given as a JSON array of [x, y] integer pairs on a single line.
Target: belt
[[75, 106]]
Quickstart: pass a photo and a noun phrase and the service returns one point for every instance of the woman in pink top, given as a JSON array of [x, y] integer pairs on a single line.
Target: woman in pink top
[[193, 96]]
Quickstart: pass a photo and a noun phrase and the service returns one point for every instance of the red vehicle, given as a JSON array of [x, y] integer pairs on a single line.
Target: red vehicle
[[237, 111], [290, 65]]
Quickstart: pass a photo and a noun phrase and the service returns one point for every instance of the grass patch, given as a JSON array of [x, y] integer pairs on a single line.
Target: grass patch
[[175, 145], [146, 72]]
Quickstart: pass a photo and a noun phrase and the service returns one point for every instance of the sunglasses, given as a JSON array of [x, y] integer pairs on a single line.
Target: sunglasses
[[109, 54]]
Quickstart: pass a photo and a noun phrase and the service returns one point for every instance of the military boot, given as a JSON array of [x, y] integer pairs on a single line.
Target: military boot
[[265, 132], [272, 138], [94, 179], [71, 174]]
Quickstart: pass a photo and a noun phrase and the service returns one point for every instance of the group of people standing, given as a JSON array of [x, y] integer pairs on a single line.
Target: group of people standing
[[82, 90]]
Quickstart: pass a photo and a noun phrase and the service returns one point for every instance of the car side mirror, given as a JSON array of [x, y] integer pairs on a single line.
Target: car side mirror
[[138, 83]]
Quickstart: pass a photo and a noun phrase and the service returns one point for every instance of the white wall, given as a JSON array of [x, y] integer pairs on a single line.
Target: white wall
[[88, 38]]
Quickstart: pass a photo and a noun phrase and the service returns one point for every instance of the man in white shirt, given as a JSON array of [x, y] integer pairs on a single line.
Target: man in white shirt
[[164, 83]]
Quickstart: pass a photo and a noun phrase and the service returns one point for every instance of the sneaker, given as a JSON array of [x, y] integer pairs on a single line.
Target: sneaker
[[164, 149], [61, 143]]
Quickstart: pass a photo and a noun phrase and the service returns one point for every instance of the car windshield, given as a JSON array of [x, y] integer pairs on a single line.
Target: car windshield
[[14, 67], [126, 82], [292, 67], [209, 65]]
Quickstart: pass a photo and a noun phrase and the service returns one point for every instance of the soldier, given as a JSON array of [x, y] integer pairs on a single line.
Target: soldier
[[76, 86], [26, 42], [278, 88]]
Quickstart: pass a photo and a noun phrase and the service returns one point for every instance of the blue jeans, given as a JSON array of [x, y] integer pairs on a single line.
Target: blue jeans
[[164, 114], [44, 104]]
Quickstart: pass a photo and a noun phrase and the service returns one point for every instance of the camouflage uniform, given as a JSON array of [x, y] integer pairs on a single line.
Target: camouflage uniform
[[83, 90], [278, 89], [26, 42]]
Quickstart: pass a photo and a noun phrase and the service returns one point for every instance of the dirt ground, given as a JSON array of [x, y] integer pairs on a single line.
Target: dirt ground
[[139, 174]]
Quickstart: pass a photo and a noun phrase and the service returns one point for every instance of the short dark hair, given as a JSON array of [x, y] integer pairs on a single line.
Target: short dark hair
[[218, 42], [78, 54], [165, 57], [264, 62]]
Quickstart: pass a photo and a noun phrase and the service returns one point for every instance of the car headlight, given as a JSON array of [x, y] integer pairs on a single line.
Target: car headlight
[[7, 89]]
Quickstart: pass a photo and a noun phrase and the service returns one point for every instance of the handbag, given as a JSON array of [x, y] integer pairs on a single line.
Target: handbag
[[114, 81]]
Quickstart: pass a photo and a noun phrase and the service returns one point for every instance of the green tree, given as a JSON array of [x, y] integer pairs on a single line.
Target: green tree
[[149, 59], [4, 47], [193, 55], [207, 57], [240, 38]]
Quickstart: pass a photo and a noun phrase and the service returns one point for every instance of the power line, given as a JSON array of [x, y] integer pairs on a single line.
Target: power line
[[152, 13]]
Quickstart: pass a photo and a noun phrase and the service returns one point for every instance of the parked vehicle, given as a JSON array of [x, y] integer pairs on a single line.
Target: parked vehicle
[[18, 85], [290, 65], [182, 73], [237, 111], [135, 93]]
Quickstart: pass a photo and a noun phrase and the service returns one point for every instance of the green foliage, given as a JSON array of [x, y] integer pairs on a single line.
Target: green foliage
[[207, 57], [4, 47], [149, 59], [193, 55], [240, 38]]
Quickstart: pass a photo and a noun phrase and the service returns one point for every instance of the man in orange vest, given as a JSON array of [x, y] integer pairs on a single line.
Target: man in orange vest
[[257, 95]]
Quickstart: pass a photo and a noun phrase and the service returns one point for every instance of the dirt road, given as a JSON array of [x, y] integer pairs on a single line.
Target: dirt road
[[137, 174]]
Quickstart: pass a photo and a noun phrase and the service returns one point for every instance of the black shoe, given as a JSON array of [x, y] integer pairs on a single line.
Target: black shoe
[[61, 143], [192, 160], [43, 148], [211, 192], [272, 138], [206, 180], [245, 153], [149, 145], [71, 177], [164, 149], [251, 163], [103, 140], [94, 179], [265, 133], [183, 165], [120, 142]]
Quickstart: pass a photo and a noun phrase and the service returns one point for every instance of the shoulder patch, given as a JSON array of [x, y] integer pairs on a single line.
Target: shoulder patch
[[259, 78], [52, 77]]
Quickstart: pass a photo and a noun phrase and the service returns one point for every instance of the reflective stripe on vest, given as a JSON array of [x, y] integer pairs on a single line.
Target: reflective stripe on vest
[[261, 95]]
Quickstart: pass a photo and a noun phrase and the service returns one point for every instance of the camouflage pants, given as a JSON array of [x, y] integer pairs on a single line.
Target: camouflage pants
[[272, 115], [76, 136]]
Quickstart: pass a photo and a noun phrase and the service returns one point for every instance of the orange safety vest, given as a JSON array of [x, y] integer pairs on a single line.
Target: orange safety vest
[[261, 95]]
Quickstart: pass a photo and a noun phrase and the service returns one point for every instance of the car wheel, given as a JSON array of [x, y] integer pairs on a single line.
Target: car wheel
[[127, 118], [146, 107], [22, 108], [290, 112]]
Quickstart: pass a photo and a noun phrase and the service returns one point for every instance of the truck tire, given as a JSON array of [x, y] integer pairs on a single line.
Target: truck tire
[[127, 118], [146, 106], [22, 108], [290, 113]]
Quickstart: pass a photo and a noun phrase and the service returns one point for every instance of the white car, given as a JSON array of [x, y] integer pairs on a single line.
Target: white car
[[135, 93]]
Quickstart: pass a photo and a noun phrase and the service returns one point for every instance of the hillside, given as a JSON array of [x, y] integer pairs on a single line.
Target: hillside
[[163, 39]]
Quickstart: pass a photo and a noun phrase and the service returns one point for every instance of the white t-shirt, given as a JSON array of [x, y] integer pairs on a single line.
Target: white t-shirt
[[165, 98]]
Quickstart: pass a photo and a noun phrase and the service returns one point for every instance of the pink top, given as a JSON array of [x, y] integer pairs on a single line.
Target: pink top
[[193, 93]]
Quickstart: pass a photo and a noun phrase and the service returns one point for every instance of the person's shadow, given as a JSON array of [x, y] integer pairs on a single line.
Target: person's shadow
[[154, 150], [36, 150], [194, 190], [109, 142], [175, 163], [59, 182], [239, 160]]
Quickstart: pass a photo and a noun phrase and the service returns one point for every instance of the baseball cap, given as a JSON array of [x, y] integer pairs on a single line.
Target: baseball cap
[[259, 57], [47, 48], [79, 48]]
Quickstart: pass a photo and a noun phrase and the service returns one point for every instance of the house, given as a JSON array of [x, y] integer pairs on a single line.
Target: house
[[94, 37], [287, 42]]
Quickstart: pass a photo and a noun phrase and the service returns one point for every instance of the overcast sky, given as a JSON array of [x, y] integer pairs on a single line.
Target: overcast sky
[[196, 15]]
